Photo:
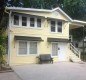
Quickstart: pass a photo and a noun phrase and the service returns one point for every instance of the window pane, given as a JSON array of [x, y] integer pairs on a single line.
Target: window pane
[[54, 49], [33, 47], [52, 26], [32, 22], [24, 21], [59, 26], [16, 20], [22, 47], [38, 22]]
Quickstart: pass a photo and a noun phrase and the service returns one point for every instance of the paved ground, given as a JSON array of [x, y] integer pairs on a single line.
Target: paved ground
[[9, 76], [56, 71]]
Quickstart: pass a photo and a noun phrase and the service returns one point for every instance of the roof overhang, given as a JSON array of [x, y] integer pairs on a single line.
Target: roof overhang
[[80, 22], [28, 38], [39, 10], [15, 9], [57, 40], [13, 13]]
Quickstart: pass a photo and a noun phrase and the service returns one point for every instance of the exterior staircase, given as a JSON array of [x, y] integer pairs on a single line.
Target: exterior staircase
[[74, 54]]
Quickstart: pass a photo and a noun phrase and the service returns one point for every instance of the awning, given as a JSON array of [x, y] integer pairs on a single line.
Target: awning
[[28, 38], [57, 40]]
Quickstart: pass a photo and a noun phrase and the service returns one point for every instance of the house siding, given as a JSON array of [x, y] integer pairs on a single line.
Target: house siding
[[44, 47]]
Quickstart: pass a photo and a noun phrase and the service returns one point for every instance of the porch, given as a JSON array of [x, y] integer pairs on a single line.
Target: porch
[[77, 35]]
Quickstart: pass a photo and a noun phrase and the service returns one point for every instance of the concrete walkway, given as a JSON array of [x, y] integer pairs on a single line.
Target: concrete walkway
[[9, 76], [56, 71]]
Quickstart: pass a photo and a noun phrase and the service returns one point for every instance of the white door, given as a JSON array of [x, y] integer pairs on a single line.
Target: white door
[[62, 51]]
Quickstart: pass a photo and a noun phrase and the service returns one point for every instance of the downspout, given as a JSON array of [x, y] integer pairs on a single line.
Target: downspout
[[9, 38]]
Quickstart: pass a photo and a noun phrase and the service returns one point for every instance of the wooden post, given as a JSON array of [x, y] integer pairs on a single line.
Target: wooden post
[[83, 44]]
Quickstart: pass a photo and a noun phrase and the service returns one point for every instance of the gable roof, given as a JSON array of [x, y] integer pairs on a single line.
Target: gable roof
[[45, 10], [38, 10]]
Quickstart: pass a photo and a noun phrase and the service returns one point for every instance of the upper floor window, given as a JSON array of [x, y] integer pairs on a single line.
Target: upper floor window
[[59, 26], [32, 22], [38, 22], [21, 20], [35, 22], [56, 26], [53, 28], [24, 21], [16, 20]]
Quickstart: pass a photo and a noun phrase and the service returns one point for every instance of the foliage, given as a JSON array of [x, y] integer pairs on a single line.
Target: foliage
[[75, 8], [2, 48], [46, 4], [3, 26]]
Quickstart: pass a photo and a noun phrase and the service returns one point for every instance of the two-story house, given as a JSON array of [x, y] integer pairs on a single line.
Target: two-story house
[[40, 31]]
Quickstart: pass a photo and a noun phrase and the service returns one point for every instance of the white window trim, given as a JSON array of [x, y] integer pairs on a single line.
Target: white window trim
[[28, 46], [51, 49], [28, 22], [55, 27], [35, 23], [13, 21]]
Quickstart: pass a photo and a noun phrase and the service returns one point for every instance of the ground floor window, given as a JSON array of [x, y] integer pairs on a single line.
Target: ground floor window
[[27, 47], [54, 49]]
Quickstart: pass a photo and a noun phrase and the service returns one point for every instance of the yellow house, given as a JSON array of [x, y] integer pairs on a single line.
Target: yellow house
[[32, 32]]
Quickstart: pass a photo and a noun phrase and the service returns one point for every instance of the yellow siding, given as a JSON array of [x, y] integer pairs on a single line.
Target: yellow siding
[[43, 47]]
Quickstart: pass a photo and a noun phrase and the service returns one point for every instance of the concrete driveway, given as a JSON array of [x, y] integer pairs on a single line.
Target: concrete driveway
[[9, 76], [56, 71]]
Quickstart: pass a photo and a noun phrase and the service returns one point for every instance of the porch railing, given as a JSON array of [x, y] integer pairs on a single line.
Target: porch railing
[[74, 50]]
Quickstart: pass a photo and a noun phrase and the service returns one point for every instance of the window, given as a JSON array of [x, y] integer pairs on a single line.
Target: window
[[52, 26], [59, 26], [56, 26], [33, 47], [24, 21], [22, 48], [38, 22], [16, 20], [32, 22], [54, 49], [27, 47]]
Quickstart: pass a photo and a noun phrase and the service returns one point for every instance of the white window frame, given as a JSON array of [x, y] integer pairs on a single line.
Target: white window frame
[[35, 23], [52, 50], [28, 47], [13, 21], [56, 26], [28, 22]]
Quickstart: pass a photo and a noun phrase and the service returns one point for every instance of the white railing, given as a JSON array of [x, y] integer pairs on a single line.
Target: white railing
[[74, 50]]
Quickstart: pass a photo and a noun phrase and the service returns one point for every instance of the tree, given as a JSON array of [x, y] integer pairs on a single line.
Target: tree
[[75, 8], [3, 24]]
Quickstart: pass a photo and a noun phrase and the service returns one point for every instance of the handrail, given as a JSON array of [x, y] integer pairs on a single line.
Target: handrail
[[74, 50]]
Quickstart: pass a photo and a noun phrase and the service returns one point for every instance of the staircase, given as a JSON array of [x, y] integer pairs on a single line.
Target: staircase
[[74, 54]]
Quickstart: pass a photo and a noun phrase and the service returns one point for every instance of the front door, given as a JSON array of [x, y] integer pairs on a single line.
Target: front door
[[62, 51], [59, 50]]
